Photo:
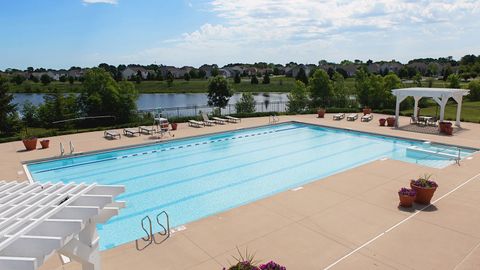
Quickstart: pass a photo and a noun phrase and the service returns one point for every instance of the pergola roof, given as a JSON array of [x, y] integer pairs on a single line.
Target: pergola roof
[[430, 92], [37, 219]]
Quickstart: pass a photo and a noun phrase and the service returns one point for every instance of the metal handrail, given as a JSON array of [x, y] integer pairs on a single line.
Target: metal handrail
[[150, 235]]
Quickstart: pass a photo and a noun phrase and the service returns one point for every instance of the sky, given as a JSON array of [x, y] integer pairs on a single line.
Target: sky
[[60, 34]]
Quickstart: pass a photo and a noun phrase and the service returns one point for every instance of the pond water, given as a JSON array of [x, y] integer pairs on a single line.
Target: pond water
[[149, 101]]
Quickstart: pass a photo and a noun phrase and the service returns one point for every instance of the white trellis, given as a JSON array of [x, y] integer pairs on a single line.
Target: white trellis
[[39, 219], [440, 95]]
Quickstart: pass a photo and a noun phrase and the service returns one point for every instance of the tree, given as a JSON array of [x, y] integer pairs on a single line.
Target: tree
[[320, 89], [219, 92], [102, 95], [302, 76], [454, 81], [417, 79], [237, 78], [341, 95], [63, 78], [45, 79], [30, 114], [254, 79], [33, 79], [193, 73], [9, 120], [214, 72], [266, 78], [170, 78], [55, 107], [71, 80], [186, 76], [474, 87], [298, 98], [202, 74], [17, 79], [446, 72], [246, 104]]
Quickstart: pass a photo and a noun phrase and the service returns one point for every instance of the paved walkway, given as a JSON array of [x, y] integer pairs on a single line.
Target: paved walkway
[[346, 221]]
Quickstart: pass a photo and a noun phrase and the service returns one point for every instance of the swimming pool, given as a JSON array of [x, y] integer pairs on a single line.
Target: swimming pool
[[197, 177]]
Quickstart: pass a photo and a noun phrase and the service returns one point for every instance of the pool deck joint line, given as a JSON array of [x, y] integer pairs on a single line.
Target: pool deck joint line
[[399, 223]]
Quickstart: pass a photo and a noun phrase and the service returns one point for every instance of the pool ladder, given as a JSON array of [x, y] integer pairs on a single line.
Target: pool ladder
[[147, 227], [272, 119]]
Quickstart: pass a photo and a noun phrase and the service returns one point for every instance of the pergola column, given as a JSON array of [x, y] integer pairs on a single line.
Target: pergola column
[[459, 100], [400, 98], [415, 107], [443, 103]]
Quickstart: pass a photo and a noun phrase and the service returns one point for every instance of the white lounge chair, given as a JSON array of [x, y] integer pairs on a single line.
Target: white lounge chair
[[147, 129], [219, 120], [233, 119], [131, 131], [352, 117], [207, 121], [195, 123], [111, 134], [338, 116], [367, 118]]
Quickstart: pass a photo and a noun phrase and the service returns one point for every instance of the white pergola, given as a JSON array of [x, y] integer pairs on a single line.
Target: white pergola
[[39, 219], [440, 95]]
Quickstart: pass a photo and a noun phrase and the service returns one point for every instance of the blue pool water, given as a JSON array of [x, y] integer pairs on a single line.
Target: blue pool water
[[197, 177]]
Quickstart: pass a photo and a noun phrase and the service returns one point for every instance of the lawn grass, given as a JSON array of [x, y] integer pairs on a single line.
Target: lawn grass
[[470, 111]]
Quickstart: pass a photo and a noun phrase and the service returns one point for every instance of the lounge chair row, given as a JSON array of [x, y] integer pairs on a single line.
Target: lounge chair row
[[130, 132], [353, 117], [215, 120]]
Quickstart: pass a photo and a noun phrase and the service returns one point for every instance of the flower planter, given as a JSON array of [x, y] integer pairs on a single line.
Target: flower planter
[[448, 130], [45, 143], [367, 111], [382, 121], [321, 113], [406, 200], [30, 144], [174, 126], [424, 194], [390, 121], [443, 126]]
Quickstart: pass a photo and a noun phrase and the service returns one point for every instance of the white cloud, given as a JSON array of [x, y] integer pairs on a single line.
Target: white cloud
[[112, 2], [310, 30]]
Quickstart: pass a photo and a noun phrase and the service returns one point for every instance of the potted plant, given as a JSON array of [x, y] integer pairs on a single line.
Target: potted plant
[[271, 265], [390, 121], [30, 143], [448, 130], [321, 112], [45, 143], [382, 121], [424, 187], [406, 196], [367, 110], [444, 125], [174, 126]]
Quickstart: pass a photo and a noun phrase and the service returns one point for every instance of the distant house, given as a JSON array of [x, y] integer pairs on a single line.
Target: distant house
[[208, 69], [419, 66], [225, 72], [391, 66], [374, 68], [132, 71], [350, 69], [76, 73]]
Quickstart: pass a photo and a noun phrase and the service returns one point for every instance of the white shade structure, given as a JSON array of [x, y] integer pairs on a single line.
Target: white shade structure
[[39, 219], [440, 95]]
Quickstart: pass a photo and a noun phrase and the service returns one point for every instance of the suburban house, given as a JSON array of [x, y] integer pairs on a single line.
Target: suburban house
[[392, 66], [208, 69], [132, 71], [76, 73]]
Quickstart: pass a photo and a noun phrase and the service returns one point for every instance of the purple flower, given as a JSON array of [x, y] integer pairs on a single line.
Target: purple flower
[[407, 192], [272, 266]]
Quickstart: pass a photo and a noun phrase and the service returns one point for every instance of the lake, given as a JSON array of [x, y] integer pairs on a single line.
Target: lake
[[150, 101]]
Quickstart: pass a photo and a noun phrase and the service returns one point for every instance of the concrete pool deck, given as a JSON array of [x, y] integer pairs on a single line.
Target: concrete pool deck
[[349, 220]]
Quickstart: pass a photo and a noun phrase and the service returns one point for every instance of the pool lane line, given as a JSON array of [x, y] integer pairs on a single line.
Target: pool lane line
[[399, 223], [237, 183], [217, 147], [149, 152]]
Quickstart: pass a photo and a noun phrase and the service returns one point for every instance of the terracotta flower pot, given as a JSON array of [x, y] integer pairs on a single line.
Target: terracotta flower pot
[[30, 144], [448, 130], [367, 111], [390, 121], [406, 200], [174, 126], [321, 113], [45, 143], [424, 195], [443, 126], [382, 121]]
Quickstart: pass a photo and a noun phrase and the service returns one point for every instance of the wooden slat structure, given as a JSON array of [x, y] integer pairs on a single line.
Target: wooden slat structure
[[39, 219]]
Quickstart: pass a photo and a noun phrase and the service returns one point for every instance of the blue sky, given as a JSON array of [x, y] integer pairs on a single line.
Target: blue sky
[[60, 34]]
